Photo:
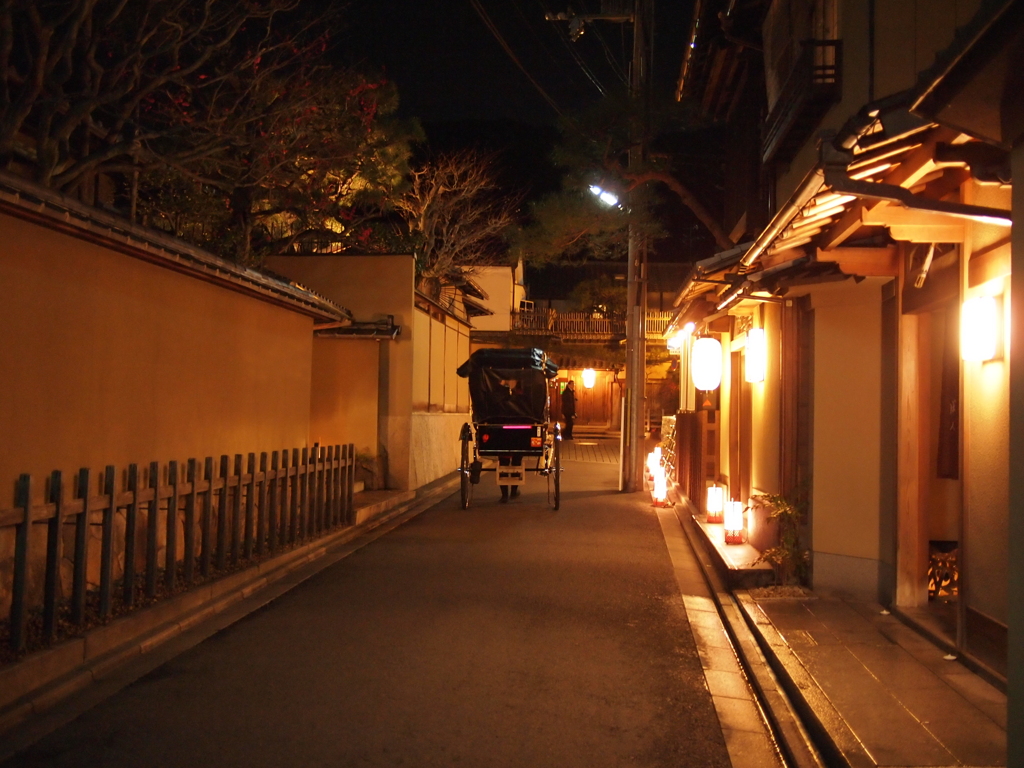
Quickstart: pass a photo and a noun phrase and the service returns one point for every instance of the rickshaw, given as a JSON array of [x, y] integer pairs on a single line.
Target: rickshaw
[[510, 433]]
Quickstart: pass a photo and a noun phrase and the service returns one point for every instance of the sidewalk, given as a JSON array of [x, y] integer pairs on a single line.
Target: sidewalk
[[885, 695], [870, 690]]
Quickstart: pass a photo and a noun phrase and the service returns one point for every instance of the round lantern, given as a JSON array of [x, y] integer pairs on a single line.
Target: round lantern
[[589, 378], [706, 363]]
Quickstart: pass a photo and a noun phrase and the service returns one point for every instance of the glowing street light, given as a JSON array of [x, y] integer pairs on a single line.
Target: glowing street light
[[606, 197]]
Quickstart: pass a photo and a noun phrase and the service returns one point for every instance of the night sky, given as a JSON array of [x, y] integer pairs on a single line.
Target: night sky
[[456, 78], [449, 66]]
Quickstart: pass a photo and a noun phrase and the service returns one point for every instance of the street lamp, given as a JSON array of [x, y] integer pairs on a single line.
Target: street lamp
[[608, 198]]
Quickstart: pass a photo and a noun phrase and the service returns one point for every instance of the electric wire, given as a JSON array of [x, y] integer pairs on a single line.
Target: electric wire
[[511, 54], [576, 55], [610, 57], [558, 60]]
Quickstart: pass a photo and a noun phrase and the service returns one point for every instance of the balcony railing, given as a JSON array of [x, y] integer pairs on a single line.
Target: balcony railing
[[811, 88], [583, 326]]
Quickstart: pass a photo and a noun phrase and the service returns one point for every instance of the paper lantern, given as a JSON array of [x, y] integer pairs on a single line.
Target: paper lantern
[[706, 363], [660, 491], [715, 503], [589, 378], [734, 522], [980, 321], [756, 356]]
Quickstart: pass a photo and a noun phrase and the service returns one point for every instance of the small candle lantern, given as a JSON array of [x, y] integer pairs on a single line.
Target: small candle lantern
[[660, 492], [715, 503], [734, 522]]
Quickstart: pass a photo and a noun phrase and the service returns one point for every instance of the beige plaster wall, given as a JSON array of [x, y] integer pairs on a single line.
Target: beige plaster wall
[[107, 359], [373, 287], [343, 406], [847, 418], [435, 445], [766, 410], [499, 285], [421, 361], [987, 430]]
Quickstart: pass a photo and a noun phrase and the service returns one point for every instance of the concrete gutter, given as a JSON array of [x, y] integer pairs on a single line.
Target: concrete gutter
[[41, 680], [793, 739]]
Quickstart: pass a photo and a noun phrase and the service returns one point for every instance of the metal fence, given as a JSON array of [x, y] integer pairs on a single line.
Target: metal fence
[[222, 519]]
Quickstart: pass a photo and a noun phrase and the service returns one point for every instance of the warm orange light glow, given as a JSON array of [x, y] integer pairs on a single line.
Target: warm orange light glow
[[756, 356], [980, 321], [715, 503], [589, 378], [734, 522], [660, 492]]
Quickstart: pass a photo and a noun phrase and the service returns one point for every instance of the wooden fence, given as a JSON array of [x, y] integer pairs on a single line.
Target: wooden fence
[[583, 325], [238, 514]]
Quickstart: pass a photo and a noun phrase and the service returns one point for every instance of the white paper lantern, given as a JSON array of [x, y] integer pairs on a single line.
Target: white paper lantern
[[706, 363]]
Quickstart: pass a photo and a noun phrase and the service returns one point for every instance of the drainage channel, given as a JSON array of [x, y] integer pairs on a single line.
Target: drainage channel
[[794, 742]]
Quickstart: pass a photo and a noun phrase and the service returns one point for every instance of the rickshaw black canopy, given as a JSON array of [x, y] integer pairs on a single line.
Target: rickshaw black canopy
[[508, 386]]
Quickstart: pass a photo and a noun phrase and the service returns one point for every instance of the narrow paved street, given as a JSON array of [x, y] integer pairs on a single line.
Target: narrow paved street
[[502, 635]]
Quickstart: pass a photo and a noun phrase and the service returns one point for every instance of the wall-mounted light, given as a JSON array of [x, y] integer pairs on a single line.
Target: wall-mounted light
[[589, 378], [733, 522], [676, 341], [715, 503], [981, 329], [706, 363], [756, 356]]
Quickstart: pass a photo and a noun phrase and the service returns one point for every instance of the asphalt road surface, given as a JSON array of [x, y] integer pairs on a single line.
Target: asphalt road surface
[[501, 635]]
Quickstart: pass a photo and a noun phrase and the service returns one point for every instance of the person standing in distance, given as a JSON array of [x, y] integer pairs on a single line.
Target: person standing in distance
[[568, 408]]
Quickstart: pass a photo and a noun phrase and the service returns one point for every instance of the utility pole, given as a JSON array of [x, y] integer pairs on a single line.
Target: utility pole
[[636, 274], [633, 428]]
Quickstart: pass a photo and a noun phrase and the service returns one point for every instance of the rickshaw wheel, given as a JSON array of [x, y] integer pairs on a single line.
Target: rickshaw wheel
[[557, 468], [464, 484]]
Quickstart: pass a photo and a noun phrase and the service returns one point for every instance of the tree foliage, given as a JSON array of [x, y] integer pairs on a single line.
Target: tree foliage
[[455, 214], [76, 74], [595, 149]]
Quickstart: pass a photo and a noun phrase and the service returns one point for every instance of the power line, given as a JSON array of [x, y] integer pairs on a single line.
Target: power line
[[558, 60], [501, 41]]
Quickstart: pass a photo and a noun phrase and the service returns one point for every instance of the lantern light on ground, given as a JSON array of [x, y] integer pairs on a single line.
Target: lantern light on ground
[[980, 325], [756, 356], [734, 522], [715, 503], [660, 491], [589, 378], [653, 460], [706, 363]]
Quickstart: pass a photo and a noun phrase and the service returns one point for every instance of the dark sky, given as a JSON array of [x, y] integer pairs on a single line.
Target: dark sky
[[449, 66], [455, 77]]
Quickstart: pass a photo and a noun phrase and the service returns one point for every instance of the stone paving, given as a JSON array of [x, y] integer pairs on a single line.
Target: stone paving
[[904, 703]]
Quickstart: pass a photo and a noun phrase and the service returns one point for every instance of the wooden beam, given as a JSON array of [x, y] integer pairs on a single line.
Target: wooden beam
[[989, 263], [918, 164], [897, 215], [780, 257], [868, 262]]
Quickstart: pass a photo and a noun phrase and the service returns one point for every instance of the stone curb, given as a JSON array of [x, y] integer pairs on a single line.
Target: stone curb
[[43, 679], [794, 741]]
